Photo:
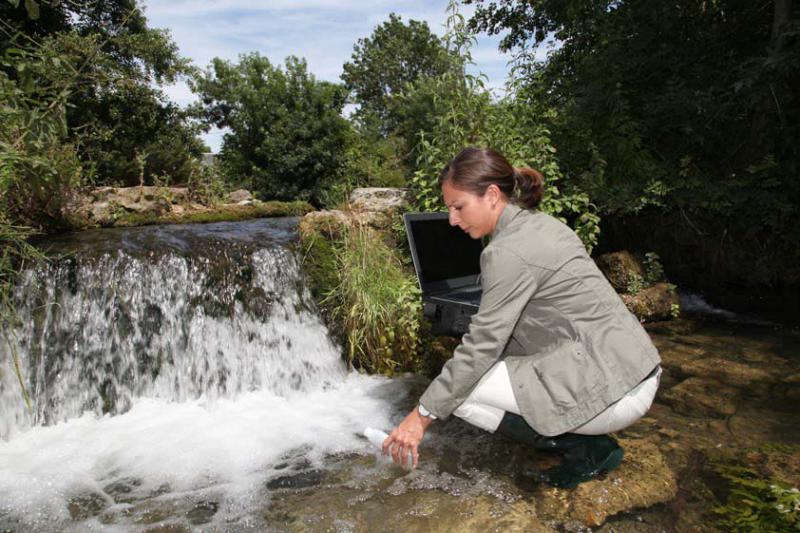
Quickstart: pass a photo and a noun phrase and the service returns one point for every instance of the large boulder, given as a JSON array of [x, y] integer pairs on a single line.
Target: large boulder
[[621, 268], [653, 303], [378, 199]]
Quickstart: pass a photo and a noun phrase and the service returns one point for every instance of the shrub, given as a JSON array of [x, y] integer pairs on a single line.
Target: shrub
[[376, 302]]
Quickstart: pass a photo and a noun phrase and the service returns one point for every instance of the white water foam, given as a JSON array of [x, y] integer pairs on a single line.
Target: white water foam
[[228, 447]]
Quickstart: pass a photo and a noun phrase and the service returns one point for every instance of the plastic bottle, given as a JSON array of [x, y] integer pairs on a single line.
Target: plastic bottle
[[375, 436]]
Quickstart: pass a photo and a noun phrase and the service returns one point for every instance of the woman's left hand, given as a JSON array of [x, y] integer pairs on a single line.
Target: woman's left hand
[[406, 438]]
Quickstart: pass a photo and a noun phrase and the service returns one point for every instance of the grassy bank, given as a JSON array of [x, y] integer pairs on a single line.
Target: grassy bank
[[218, 213]]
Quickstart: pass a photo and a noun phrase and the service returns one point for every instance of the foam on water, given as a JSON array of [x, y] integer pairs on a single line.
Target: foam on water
[[170, 376], [226, 446]]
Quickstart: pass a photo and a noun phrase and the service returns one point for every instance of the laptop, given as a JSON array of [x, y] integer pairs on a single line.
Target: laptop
[[446, 259]]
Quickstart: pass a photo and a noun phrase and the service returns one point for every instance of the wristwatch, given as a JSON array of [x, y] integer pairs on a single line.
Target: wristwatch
[[424, 412]]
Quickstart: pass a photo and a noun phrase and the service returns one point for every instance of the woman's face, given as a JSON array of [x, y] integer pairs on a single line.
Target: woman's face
[[475, 215]]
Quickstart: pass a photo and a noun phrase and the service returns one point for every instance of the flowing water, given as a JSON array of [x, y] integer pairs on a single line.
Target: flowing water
[[181, 380], [185, 363]]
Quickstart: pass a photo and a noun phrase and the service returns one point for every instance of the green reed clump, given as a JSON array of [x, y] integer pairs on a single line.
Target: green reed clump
[[14, 252], [755, 504], [377, 303]]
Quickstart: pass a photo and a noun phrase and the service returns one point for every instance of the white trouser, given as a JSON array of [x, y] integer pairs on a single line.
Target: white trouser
[[493, 396]]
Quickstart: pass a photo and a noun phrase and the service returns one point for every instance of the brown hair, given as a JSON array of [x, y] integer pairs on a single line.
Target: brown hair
[[474, 169]]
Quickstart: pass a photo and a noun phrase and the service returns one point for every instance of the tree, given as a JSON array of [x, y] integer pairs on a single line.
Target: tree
[[382, 65], [688, 109], [115, 109], [287, 137]]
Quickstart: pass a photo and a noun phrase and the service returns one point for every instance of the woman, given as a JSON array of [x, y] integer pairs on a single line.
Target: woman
[[553, 358]]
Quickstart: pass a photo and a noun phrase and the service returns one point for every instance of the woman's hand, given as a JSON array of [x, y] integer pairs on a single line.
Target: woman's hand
[[406, 437]]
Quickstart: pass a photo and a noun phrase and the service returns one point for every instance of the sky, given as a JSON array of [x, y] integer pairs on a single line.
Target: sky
[[321, 31]]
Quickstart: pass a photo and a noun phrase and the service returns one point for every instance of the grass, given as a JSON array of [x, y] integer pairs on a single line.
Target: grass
[[369, 299], [222, 213]]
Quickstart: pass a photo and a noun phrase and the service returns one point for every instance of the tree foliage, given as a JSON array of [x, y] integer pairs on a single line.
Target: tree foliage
[[114, 111], [464, 113], [382, 64], [691, 107], [287, 137]]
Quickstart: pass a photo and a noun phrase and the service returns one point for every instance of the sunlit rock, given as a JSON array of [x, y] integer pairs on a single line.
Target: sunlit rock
[[239, 195], [642, 480], [653, 303], [377, 199]]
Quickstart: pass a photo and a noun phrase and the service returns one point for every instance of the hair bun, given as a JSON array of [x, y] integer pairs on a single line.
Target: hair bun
[[529, 188]]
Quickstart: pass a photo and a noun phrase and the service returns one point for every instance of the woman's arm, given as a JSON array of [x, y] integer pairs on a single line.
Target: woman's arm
[[508, 284]]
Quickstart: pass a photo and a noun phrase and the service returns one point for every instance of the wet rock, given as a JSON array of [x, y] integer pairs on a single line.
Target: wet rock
[[239, 195], [202, 512], [377, 198], [653, 303], [168, 528], [122, 489], [86, 505], [309, 478], [620, 268], [777, 462], [642, 480], [699, 397]]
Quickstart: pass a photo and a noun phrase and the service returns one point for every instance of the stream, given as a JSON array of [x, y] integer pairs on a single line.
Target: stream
[[180, 379]]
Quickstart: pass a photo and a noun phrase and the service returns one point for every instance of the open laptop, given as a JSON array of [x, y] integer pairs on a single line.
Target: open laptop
[[446, 259]]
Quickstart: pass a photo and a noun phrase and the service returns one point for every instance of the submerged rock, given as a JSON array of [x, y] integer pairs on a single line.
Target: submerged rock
[[700, 397], [642, 480]]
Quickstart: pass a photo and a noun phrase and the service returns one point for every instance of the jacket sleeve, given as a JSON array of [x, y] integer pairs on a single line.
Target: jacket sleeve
[[508, 284]]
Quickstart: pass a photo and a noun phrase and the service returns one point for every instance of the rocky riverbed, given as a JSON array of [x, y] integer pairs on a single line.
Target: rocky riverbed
[[728, 395]]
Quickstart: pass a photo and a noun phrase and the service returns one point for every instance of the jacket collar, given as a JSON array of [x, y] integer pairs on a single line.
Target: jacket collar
[[509, 213]]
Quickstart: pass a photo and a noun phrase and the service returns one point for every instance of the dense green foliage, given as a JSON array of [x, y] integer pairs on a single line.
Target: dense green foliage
[[39, 167], [689, 108], [287, 136], [114, 111], [464, 114], [382, 64]]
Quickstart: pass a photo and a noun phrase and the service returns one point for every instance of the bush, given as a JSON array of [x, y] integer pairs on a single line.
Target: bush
[[368, 299], [465, 114], [287, 137]]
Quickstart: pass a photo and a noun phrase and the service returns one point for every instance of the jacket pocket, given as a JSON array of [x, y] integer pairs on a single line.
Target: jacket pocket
[[570, 376]]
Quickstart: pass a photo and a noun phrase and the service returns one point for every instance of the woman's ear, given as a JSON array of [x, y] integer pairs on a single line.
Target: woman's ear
[[494, 194]]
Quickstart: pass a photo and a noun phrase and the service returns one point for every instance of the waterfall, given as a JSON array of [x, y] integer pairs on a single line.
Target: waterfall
[[179, 357], [95, 334]]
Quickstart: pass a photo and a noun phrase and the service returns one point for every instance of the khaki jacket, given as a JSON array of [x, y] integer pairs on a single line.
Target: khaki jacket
[[571, 346]]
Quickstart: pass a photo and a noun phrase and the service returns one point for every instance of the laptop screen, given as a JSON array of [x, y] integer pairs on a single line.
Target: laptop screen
[[442, 253]]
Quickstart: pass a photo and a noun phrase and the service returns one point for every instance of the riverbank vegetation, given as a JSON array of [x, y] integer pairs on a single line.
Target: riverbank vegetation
[[670, 128]]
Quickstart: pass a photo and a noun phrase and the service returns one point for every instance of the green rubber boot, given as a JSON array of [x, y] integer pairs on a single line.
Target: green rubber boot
[[585, 456], [596, 454]]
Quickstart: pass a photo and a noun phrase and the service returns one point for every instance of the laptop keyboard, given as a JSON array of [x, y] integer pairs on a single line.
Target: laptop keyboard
[[471, 295]]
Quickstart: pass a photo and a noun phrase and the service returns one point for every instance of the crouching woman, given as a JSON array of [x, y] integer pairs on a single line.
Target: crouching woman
[[552, 358]]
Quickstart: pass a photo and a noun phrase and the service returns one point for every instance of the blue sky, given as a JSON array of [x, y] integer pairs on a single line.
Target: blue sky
[[322, 31]]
